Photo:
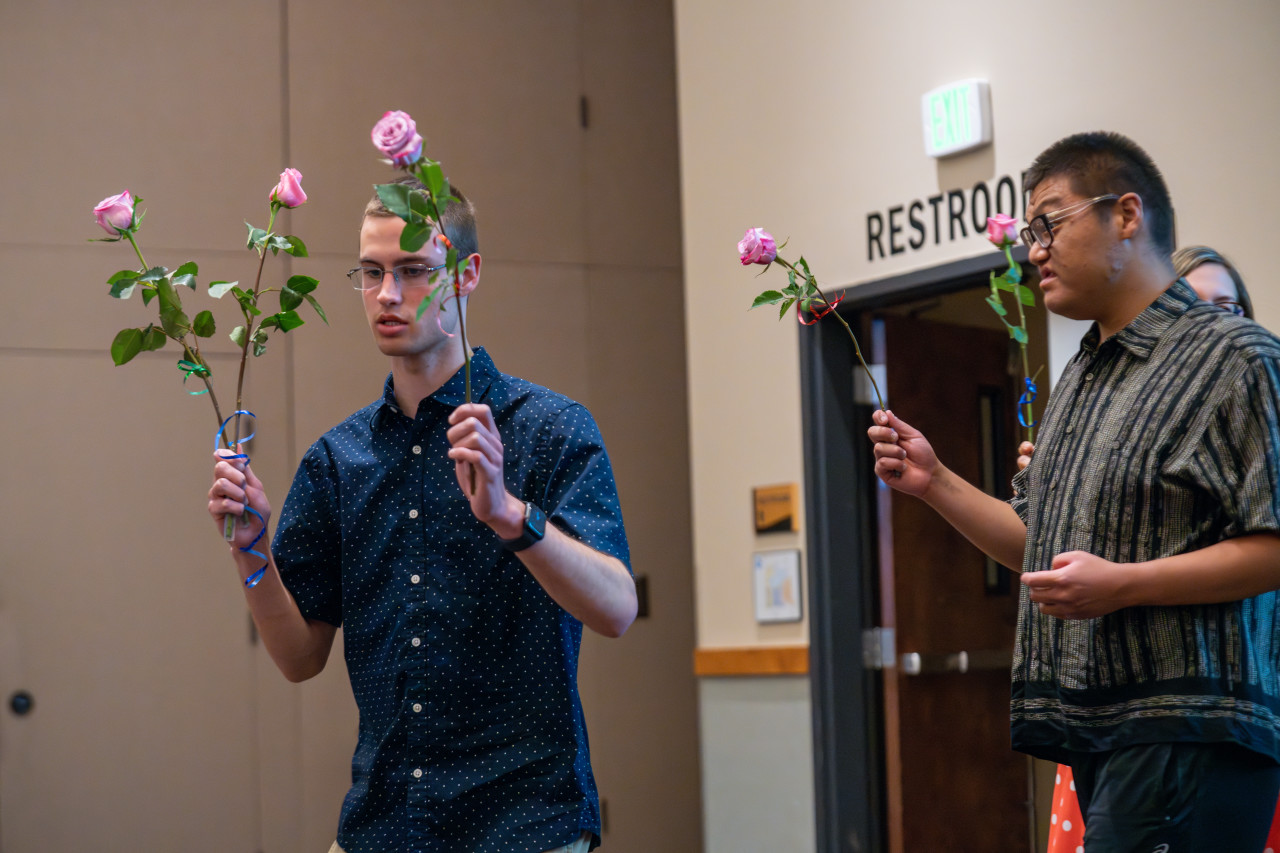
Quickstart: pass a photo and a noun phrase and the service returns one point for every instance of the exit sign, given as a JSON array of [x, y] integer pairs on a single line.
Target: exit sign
[[957, 117]]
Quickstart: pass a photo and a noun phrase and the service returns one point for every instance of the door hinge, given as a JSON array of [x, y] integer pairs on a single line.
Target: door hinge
[[878, 649]]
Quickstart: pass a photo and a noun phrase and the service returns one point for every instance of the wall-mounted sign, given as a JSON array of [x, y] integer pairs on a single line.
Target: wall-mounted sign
[[775, 507], [945, 216], [957, 117], [777, 584]]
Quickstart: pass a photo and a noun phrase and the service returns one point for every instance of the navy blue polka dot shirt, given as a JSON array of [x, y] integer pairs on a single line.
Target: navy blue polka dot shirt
[[464, 670]]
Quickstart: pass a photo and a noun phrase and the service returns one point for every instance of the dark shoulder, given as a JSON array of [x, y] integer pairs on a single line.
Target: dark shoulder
[[512, 397], [1229, 336]]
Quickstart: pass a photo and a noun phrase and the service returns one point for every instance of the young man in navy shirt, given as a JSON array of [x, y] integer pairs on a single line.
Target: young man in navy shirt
[[461, 547]]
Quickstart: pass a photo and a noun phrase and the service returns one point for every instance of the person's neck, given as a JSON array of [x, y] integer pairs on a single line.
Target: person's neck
[[1140, 285], [418, 377]]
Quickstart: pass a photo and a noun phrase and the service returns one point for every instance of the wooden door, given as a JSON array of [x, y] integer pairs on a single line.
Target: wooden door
[[953, 782]]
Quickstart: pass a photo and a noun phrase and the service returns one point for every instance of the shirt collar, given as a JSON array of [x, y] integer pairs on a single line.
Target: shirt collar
[[1144, 331], [451, 394]]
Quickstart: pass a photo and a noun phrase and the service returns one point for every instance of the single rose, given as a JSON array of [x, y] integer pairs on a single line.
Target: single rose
[[1002, 230], [115, 214], [757, 247], [396, 136], [289, 191]]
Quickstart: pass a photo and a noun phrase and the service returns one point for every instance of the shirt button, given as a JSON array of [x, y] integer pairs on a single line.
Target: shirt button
[[1070, 428], [417, 707], [417, 774], [415, 579], [417, 449], [413, 513], [416, 641], [1088, 376]]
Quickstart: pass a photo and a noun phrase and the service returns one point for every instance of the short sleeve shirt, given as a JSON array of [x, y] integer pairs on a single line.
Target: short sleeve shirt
[[1163, 439], [464, 670]]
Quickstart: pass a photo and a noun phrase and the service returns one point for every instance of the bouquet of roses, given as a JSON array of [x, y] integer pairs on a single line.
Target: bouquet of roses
[[119, 216]]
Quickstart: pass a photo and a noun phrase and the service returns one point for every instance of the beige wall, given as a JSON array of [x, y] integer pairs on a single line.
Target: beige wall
[[803, 117], [197, 109]]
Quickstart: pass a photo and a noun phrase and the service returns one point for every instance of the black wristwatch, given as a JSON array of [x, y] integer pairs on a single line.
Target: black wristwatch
[[531, 532]]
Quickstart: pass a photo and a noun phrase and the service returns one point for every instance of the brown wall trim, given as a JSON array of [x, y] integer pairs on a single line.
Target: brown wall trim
[[752, 660]]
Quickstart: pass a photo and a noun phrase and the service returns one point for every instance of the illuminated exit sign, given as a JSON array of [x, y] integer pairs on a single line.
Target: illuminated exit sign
[[957, 117]]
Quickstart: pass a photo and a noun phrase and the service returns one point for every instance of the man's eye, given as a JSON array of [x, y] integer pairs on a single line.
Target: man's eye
[[373, 273], [413, 271]]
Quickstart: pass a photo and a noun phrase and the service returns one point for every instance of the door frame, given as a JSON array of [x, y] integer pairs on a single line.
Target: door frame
[[848, 747]]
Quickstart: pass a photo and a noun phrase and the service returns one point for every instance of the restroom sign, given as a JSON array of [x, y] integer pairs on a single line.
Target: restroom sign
[[957, 117]]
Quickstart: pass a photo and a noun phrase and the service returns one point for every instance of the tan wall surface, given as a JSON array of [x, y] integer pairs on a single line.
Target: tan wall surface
[[198, 110]]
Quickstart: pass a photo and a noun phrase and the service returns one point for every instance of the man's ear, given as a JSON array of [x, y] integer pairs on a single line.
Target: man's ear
[[470, 275], [1131, 215]]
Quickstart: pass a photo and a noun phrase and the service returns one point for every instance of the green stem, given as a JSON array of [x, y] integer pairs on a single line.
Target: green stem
[[137, 251], [1026, 369], [857, 350]]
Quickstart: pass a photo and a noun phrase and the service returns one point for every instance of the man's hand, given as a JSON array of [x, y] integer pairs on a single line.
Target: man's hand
[[1025, 451], [235, 486], [1079, 586], [904, 458], [475, 445]]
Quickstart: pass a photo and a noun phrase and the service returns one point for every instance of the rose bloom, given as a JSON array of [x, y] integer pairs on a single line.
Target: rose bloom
[[1002, 229], [115, 214], [757, 247], [396, 136], [289, 191]]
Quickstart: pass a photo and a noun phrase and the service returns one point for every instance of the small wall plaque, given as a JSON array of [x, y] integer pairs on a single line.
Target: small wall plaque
[[775, 508]]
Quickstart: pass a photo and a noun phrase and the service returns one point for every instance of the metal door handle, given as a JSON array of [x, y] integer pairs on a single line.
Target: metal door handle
[[915, 663]]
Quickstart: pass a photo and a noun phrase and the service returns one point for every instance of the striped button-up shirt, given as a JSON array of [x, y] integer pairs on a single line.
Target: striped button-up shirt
[[1163, 439]]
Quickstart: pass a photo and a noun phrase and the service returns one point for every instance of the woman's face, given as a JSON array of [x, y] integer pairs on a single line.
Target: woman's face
[[1212, 283]]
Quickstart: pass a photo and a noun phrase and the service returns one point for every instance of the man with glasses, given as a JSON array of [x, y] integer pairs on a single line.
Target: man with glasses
[[461, 547], [1146, 526]]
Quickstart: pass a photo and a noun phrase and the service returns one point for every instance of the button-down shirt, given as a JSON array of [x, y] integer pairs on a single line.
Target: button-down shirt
[[464, 670], [1160, 440]]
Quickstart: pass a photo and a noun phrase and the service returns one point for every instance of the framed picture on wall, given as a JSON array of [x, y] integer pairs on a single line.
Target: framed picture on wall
[[777, 586]]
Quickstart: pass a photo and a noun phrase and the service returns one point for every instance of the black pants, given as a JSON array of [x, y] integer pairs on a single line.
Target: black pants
[[1176, 798]]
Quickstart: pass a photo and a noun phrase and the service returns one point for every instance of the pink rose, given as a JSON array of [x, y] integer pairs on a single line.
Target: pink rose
[[115, 214], [289, 191], [757, 247], [1002, 230], [396, 136]]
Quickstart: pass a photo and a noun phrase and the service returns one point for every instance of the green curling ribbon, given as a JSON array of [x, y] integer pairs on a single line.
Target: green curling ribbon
[[191, 369]]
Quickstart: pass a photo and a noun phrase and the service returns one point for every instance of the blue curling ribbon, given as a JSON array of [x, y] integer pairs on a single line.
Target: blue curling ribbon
[[256, 577], [1025, 400]]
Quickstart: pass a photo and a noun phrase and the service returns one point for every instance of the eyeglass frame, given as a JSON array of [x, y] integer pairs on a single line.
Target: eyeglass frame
[[1061, 215], [1231, 305], [395, 274]]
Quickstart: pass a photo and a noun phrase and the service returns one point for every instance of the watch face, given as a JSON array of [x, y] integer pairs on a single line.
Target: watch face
[[535, 521]]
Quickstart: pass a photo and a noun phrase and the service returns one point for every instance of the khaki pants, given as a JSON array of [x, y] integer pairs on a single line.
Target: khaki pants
[[579, 846]]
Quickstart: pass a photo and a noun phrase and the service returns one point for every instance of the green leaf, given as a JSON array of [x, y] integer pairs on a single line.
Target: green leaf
[[123, 288], [204, 325], [289, 298], [786, 306], [316, 305], [419, 204], [174, 321], [123, 274], [450, 258], [127, 344], [1004, 284], [997, 306], [396, 199], [237, 336], [289, 320], [769, 297], [153, 338], [1027, 295], [1018, 334], [256, 236], [187, 280], [435, 180], [218, 289], [247, 301], [297, 248], [301, 283], [414, 236], [259, 348], [189, 268], [154, 274], [148, 293]]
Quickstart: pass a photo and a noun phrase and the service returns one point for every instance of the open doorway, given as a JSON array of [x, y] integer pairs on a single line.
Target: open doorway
[[912, 628]]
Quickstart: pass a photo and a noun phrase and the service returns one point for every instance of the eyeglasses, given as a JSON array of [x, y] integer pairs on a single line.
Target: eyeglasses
[[1040, 229], [1229, 305], [405, 275]]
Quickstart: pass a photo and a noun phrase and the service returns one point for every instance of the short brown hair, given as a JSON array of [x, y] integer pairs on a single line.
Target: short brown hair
[[459, 217]]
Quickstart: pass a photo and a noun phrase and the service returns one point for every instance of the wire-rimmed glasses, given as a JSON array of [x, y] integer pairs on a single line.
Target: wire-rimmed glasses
[[1040, 229], [405, 275]]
